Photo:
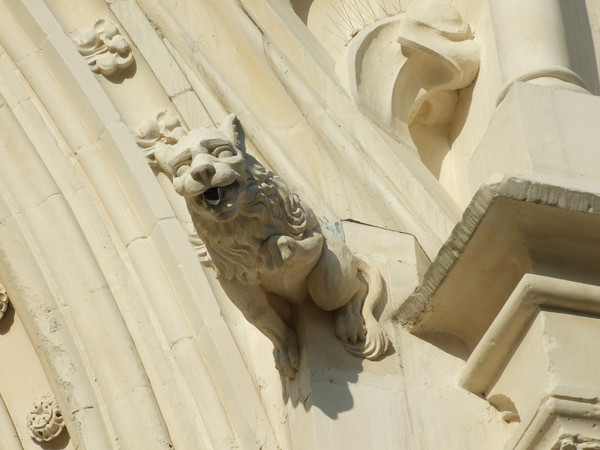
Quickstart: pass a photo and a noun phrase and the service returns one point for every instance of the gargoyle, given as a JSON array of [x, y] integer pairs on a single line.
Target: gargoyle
[[268, 246]]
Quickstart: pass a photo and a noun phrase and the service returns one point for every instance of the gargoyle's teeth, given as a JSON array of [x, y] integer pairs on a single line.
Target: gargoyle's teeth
[[213, 196]]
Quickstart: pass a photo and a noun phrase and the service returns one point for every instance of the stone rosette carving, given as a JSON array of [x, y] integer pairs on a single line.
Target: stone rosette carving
[[44, 419], [3, 301], [268, 246], [104, 48]]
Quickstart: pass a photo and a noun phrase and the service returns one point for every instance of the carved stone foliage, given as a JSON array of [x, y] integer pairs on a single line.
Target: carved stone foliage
[[165, 127], [576, 443], [268, 246], [406, 71], [44, 419], [104, 48], [3, 301]]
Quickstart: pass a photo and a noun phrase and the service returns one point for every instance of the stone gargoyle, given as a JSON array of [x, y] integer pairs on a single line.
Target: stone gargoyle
[[267, 245]]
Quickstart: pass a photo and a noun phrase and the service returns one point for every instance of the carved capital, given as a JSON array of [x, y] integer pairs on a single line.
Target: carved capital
[[104, 48], [44, 419]]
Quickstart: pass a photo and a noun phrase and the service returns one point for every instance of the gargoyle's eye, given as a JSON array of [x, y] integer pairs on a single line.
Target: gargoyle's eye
[[181, 169], [223, 151]]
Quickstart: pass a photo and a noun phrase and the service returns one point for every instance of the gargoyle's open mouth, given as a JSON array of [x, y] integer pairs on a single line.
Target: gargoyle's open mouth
[[214, 195], [219, 197]]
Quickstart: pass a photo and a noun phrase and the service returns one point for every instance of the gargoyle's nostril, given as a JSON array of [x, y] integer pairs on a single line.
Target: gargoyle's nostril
[[202, 172]]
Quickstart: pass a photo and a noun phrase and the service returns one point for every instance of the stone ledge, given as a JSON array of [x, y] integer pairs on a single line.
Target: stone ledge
[[503, 235]]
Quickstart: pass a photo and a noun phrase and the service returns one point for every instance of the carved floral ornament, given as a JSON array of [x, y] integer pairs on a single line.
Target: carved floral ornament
[[44, 419], [167, 128], [3, 301], [104, 49], [164, 127]]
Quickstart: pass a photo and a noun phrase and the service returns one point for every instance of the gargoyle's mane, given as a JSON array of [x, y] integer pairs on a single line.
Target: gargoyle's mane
[[269, 208]]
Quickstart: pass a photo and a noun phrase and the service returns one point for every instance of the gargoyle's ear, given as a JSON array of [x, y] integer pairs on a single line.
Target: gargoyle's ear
[[163, 154], [232, 128]]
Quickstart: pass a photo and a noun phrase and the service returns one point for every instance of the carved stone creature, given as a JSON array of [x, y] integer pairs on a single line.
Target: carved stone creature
[[267, 245]]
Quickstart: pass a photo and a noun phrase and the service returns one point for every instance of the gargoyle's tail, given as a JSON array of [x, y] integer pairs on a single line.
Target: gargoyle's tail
[[376, 342]]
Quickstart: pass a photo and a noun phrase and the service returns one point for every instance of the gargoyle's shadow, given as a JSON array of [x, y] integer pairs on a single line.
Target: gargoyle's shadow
[[7, 321], [327, 371]]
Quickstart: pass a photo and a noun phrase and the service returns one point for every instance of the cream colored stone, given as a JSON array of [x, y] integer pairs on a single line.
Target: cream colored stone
[[105, 50], [44, 419], [115, 311], [268, 247]]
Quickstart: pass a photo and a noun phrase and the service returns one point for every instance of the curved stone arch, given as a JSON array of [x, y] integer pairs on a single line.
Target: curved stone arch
[[91, 253], [61, 295]]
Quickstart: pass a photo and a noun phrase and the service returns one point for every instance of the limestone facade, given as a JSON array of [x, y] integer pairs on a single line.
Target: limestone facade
[[451, 145]]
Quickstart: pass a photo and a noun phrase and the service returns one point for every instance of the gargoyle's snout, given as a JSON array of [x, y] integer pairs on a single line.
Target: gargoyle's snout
[[203, 172]]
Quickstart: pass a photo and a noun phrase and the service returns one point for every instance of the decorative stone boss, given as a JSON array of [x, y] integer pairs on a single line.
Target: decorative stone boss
[[268, 247]]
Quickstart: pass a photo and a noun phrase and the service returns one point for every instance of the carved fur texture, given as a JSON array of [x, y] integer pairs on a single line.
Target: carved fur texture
[[268, 246]]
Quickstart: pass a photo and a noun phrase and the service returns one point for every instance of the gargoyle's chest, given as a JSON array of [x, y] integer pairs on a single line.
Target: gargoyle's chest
[[235, 248]]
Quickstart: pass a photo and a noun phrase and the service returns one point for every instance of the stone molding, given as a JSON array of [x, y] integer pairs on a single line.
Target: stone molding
[[532, 294]]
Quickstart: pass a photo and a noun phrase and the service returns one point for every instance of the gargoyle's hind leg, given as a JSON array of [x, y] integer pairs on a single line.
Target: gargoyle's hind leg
[[348, 320], [253, 303], [335, 285]]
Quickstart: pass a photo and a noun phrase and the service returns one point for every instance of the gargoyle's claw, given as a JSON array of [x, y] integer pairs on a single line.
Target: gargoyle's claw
[[375, 345]]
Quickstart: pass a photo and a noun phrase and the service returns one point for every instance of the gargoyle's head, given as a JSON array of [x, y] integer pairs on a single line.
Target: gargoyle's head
[[207, 167]]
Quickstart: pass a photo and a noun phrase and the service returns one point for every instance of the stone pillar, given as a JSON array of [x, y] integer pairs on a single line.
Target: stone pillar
[[532, 43]]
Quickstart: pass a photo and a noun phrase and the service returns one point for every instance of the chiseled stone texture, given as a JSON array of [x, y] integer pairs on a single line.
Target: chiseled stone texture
[[387, 117]]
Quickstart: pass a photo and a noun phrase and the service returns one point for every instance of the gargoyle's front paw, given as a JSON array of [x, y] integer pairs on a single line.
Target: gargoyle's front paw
[[349, 325], [287, 357], [276, 251]]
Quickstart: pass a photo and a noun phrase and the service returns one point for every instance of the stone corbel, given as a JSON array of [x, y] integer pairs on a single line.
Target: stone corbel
[[104, 48], [406, 72]]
